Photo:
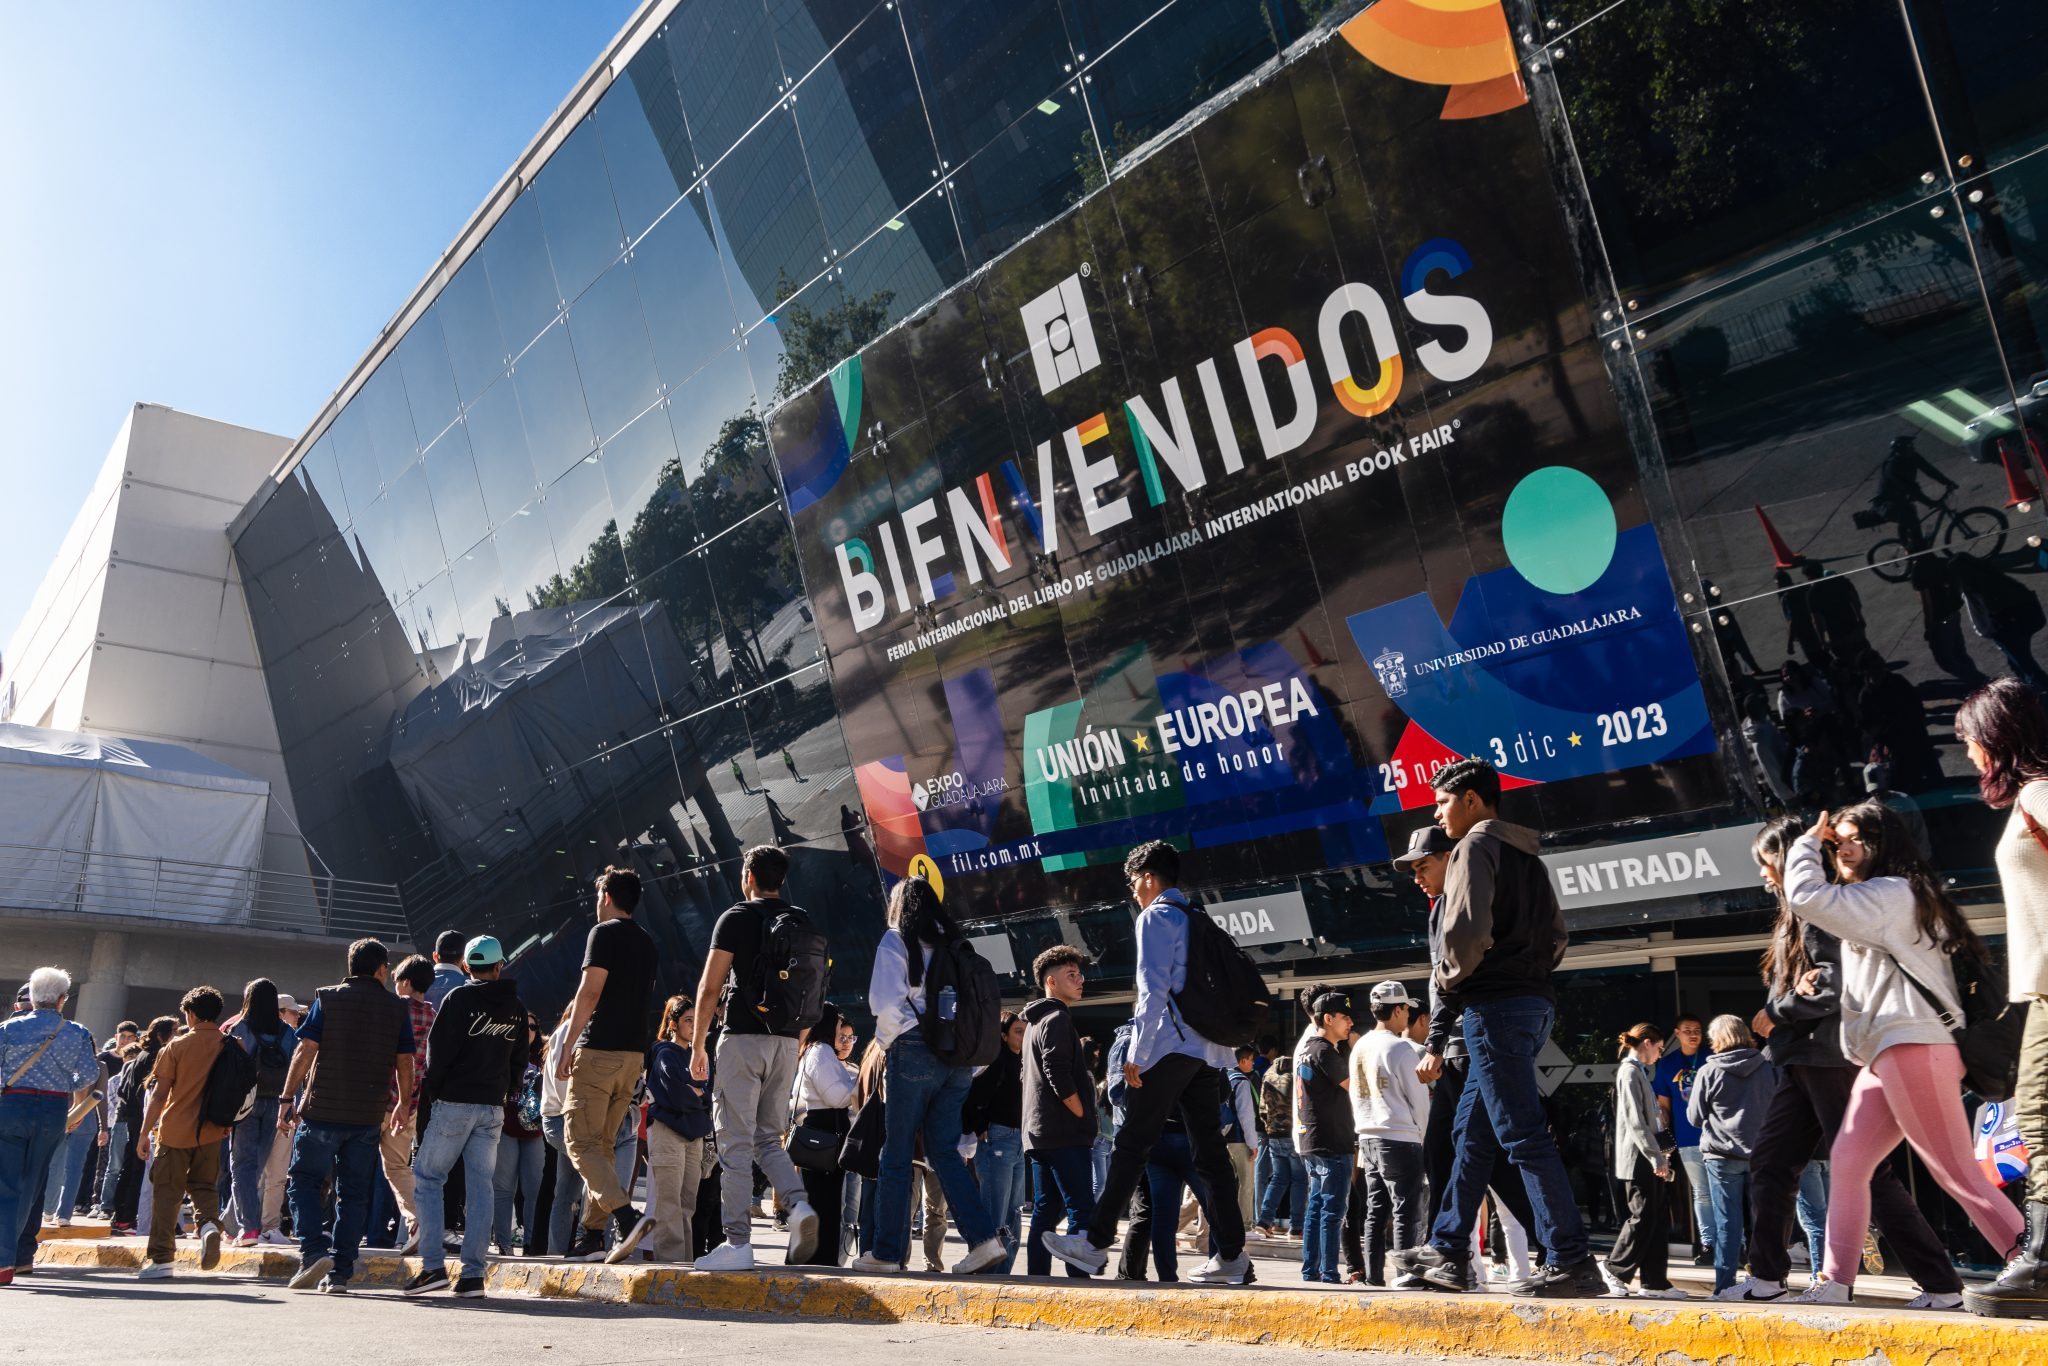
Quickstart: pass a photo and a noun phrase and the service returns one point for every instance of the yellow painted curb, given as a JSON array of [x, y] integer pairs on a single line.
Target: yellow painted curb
[[82, 1228], [1576, 1331]]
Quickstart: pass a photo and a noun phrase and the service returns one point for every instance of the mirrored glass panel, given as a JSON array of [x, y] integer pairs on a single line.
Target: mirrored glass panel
[[497, 444], [725, 69], [612, 352], [429, 380], [469, 324], [522, 279], [551, 402], [458, 499], [576, 209], [682, 275], [646, 140]]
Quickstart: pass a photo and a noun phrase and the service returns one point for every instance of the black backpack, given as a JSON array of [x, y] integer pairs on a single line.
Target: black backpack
[[1224, 1000], [963, 1006], [273, 1065], [230, 1086], [1988, 1036], [794, 972]]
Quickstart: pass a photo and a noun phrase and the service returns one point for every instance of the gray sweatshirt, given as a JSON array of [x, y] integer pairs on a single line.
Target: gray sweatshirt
[[1635, 1120], [1730, 1093], [1874, 921]]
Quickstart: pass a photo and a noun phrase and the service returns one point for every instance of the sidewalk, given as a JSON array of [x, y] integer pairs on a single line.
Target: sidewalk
[[1272, 1313]]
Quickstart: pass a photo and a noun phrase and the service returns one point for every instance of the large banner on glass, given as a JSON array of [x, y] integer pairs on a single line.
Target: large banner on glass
[[1274, 474]]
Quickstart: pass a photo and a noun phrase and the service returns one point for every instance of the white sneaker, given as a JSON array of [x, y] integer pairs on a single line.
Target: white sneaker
[[272, 1238], [981, 1256], [1076, 1251], [1216, 1271], [803, 1234], [209, 1246], [154, 1271], [1669, 1292], [1754, 1290], [1408, 1280], [1616, 1286], [412, 1243], [728, 1257], [1928, 1299], [872, 1265], [1823, 1291]]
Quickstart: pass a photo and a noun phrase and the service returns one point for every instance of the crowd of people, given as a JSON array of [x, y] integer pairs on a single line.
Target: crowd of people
[[423, 1106]]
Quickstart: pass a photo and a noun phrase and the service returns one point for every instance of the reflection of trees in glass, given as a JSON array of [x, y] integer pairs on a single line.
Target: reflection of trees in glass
[[814, 342]]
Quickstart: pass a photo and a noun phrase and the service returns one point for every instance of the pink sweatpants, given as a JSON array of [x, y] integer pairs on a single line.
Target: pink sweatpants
[[1912, 1091]]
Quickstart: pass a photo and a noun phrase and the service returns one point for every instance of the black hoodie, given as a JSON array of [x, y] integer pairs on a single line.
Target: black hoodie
[[1055, 1066], [476, 1051], [1807, 1030]]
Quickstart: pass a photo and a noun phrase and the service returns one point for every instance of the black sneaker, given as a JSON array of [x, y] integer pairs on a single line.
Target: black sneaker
[[330, 1286], [428, 1281], [1703, 1257], [629, 1226], [1580, 1280], [586, 1246], [1439, 1270], [469, 1288]]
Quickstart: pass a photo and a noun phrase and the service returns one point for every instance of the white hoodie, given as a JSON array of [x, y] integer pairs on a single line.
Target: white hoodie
[[1874, 921]]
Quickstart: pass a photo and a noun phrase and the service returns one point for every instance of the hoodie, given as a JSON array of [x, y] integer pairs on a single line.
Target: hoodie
[[1807, 1030], [1497, 932], [1055, 1067], [476, 1051], [1730, 1093]]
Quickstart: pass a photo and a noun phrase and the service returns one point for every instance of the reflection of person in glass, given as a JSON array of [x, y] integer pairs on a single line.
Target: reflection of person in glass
[[1795, 601], [789, 762], [1899, 495], [1769, 748], [1941, 619], [1728, 634], [2003, 611], [1837, 609]]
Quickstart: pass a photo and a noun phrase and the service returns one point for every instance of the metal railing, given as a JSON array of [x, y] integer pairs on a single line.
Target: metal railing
[[91, 882]]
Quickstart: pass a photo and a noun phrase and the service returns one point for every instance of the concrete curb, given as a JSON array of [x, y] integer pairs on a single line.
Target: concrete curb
[[1609, 1332]]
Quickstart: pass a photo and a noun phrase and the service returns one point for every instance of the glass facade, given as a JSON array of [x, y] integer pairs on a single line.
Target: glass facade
[[993, 435]]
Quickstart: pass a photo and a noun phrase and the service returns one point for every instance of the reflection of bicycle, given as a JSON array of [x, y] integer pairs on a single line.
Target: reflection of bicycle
[[1977, 531]]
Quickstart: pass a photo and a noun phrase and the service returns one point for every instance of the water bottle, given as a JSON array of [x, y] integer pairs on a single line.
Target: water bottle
[[949, 1002]]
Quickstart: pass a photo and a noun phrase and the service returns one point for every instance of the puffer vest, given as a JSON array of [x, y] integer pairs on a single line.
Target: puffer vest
[[351, 1082]]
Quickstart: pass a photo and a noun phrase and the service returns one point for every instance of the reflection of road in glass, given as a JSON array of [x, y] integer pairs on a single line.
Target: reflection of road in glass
[[1976, 531]]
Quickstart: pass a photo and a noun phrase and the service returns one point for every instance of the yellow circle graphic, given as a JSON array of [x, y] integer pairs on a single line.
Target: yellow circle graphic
[[923, 866]]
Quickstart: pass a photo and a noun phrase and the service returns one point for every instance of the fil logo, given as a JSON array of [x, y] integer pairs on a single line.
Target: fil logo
[[1392, 667], [1062, 337]]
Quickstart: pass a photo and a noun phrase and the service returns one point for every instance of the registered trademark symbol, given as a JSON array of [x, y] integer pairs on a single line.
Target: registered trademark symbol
[[1457, 423], [1086, 270]]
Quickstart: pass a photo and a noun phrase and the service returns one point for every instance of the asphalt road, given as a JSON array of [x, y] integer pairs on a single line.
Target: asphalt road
[[107, 1318]]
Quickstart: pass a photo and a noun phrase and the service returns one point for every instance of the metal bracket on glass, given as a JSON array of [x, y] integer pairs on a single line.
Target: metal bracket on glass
[[1137, 285], [1317, 184]]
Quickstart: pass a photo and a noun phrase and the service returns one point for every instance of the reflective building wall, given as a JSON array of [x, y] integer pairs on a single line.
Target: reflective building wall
[[562, 583]]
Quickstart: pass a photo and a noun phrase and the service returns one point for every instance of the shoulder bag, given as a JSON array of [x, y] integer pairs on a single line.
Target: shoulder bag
[[35, 1057], [1988, 1035]]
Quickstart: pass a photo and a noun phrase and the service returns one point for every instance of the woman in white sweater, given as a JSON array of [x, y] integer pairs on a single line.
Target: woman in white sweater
[[1893, 920], [1643, 1166], [2005, 732]]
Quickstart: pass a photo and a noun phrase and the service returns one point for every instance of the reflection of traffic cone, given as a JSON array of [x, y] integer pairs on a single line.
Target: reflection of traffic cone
[[1782, 552], [1308, 649], [2018, 483]]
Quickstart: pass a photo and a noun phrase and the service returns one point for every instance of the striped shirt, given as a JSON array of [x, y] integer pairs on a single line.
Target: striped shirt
[[70, 1064]]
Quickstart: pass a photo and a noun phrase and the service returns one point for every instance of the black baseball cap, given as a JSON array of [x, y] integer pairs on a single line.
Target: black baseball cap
[[1430, 839], [1333, 1003]]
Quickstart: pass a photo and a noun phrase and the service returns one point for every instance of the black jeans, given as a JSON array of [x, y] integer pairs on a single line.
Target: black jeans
[[1643, 1247], [1194, 1090], [1352, 1241], [1137, 1253], [826, 1190], [1392, 1176], [1800, 1125], [1439, 1147]]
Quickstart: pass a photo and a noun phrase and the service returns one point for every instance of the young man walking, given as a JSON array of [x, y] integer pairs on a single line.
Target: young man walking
[[476, 1057], [357, 1033], [182, 1149], [1171, 1069], [1496, 936], [1328, 1137], [414, 979], [1390, 1105], [447, 965], [1059, 1106], [612, 1022], [756, 1068]]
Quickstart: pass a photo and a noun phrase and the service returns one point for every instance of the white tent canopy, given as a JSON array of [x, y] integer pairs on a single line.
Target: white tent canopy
[[78, 811]]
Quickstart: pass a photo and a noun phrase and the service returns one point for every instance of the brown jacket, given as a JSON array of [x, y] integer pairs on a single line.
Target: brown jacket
[[180, 1074]]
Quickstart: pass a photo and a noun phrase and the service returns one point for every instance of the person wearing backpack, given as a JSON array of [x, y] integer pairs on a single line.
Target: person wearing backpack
[[180, 1141], [1173, 1067], [262, 1034], [1902, 940], [521, 1154], [765, 970], [921, 1016]]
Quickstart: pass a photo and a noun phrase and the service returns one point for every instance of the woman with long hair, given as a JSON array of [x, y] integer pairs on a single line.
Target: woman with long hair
[[679, 1155], [925, 1095], [825, 1083], [2005, 732], [1898, 928], [1801, 1025], [264, 1036], [1643, 1166]]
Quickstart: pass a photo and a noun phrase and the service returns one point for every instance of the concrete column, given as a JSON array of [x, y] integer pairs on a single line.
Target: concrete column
[[102, 998]]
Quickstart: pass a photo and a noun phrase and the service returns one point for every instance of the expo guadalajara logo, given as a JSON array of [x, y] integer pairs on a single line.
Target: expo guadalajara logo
[[1063, 348]]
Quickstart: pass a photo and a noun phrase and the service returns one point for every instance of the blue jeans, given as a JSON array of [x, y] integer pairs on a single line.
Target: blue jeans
[[1065, 1180], [457, 1133], [248, 1149], [1170, 1171], [1289, 1178], [1813, 1210], [120, 1152], [1001, 1166], [69, 1169], [1728, 1194], [1098, 1160], [31, 1131], [518, 1164], [1503, 1038], [1702, 1198], [1329, 1193], [349, 1153], [925, 1096]]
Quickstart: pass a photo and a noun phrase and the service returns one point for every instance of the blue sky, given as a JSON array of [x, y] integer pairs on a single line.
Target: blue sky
[[216, 205]]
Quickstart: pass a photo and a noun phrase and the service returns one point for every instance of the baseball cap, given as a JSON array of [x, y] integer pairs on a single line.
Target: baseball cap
[[1430, 839], [1393, 994], [287, 1001], [483, 952], [1332, 1003]]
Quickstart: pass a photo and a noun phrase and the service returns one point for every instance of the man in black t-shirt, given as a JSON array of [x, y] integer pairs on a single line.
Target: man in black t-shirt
[[1323, 1101], [611, 1022], [750, 1094]]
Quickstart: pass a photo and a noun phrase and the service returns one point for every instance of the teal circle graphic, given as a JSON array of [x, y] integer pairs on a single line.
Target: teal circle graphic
[[1559, 530]]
